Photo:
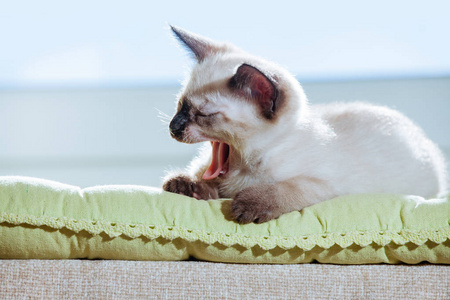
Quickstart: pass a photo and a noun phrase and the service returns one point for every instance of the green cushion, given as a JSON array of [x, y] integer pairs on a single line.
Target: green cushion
[[45, 219]]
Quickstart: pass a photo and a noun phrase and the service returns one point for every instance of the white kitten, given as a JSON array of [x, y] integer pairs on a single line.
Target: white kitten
[[273, 153]]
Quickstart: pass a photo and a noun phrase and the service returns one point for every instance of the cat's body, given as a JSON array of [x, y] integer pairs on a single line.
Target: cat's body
[[273, 153]]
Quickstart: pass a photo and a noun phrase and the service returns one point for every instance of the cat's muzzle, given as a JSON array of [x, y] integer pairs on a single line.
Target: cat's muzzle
[[177, 126]]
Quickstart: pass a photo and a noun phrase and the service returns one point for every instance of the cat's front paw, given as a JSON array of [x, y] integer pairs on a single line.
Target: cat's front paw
[[255, 204], [184, 185]]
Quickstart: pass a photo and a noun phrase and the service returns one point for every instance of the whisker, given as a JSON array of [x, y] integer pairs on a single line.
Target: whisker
[[164, 129], [163, 115], [164, 121], [164, 118]]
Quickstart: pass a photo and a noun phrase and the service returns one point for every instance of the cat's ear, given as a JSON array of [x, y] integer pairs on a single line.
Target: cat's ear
[[199, 46], [254, 84]]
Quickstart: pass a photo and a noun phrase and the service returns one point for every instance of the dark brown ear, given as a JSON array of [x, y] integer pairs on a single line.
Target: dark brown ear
[[252, 83], [200, 46]]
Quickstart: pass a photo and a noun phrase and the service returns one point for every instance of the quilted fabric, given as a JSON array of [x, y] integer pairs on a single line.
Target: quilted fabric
[[45, 219]]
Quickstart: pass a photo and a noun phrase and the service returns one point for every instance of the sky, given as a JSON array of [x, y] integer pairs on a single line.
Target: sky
[[57, 43]]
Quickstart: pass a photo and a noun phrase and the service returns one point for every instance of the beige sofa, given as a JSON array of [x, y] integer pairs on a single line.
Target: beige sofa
[[108, 279]]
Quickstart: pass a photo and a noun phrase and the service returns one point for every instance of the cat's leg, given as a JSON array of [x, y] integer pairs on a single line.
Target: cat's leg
[[190, 181], [191, 186], [264, 202]]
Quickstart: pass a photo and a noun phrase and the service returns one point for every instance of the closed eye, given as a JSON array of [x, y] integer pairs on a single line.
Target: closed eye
[[205, 119], [202, 115]]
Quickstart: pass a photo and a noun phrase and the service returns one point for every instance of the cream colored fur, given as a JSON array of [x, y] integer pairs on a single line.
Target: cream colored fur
[[310, 153]]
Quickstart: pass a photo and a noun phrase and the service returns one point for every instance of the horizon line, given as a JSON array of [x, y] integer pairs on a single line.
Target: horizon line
[[169, 82]]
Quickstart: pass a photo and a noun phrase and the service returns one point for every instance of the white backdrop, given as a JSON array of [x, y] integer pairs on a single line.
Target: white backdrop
[[52, 42]]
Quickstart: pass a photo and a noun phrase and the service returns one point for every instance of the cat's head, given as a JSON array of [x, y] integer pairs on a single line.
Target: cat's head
[[233, 97]]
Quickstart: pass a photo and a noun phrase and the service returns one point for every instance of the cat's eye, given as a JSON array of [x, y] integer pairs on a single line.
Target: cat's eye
[[205, 119], [202, 115]]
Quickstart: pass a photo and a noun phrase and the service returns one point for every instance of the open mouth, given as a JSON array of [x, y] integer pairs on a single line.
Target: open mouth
[[220, 160]]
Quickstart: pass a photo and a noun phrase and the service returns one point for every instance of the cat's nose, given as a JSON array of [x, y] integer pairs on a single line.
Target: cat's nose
[[177, 125]]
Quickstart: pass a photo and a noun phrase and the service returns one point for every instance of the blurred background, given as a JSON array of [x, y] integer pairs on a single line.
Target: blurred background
[[82, 83]]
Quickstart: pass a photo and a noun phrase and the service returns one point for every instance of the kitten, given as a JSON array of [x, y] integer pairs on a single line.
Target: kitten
[[273, 153]]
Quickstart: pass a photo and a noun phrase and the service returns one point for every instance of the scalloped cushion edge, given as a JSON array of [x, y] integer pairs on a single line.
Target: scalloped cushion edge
[[307, 242], [51, 234]]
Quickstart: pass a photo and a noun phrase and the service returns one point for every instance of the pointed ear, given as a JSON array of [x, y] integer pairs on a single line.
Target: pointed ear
[[253, 84], [200, 46]]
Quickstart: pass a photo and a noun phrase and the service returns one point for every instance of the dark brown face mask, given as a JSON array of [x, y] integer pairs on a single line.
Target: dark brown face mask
[[180, 122]]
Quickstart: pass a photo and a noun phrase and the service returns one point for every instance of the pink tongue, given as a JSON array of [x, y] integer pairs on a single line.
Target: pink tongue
[[219, 162]]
